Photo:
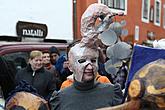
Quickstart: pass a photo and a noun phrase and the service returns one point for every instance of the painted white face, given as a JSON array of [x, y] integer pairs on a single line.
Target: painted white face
[[83, 62], [36, 63]]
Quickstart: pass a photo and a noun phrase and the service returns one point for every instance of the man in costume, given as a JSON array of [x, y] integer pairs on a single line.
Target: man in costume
[[86, 93]]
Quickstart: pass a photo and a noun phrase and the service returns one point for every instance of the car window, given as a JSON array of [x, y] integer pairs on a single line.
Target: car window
[[20, 59]]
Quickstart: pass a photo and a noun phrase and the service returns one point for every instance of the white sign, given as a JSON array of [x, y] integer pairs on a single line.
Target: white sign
[[32, 32]]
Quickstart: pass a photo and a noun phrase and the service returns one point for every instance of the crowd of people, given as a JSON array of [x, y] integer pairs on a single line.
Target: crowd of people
[[75, 81]]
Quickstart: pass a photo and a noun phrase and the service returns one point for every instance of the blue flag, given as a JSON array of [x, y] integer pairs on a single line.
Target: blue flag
[[142, 55]]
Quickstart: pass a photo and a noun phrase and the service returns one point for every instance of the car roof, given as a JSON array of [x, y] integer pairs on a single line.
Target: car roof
[[9, 47]]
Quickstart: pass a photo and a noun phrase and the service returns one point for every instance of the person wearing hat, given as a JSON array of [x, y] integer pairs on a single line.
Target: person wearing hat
[[60, 62], [86, 93], [54, 54]]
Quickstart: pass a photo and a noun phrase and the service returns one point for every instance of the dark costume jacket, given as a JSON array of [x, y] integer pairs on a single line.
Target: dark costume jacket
[[42, 80], [86, 96]]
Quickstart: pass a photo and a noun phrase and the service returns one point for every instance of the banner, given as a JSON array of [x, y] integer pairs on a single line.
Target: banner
[[141, 56]]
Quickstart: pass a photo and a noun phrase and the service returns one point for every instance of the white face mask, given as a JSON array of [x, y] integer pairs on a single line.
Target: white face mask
[[83, 62]]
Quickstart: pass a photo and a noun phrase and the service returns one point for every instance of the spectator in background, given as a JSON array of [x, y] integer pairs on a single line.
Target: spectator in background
[[7, 74], [54, 54], [49, 67], [20, 63], [159, 44], [150, 40], [65, 72], [60, 62], [121, 75], [36, 75]]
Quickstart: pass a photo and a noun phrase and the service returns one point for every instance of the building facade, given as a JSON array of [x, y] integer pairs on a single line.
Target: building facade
[[144, 18]]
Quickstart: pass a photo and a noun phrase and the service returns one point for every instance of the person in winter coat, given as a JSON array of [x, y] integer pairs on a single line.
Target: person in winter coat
[[37, 76], [51, 68], [60, 63]]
